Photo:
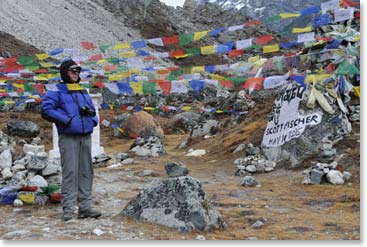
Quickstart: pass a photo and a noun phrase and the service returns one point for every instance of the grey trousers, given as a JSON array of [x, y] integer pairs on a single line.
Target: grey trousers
[[77, 171]]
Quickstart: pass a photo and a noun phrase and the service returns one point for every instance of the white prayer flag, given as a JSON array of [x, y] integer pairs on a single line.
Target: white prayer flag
[[113, 87], [343, 14], [306, 37], [242, 44], [156, 41], [178, 86], [234, 28], [330, 5]]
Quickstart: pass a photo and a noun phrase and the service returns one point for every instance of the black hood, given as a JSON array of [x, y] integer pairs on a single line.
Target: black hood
[[64, 71]]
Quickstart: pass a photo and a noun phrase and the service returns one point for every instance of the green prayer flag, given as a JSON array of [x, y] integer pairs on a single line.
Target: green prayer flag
[[346, 68], [103, 48], [26, 60], [149, 87], [273, 18], [28, 88], [32, 67], [193, 51], [237, 81], [186, 38]]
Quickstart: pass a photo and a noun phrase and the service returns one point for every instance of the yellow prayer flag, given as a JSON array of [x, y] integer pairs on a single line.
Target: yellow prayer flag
[[357, 91], [357, 37], [74, 87], [217, 77], [127, 54], [134, 71], [181, 56], [47, 65], [2, 81], [200, 35], [110, 106], [125, 74], [18, 85], [317, 78], [27, 198], [137, 87], [51, 76], [116, 77], [8, 102], [2, 90], [318, 43], [40, 77], [186, 108], [121, 130], [102, 61], [270, 48], [198, 69], [219, 111], [206, 50], [302, 30], [148, 108], [42, 56], [121, 46], [288, 15], [253, 59]]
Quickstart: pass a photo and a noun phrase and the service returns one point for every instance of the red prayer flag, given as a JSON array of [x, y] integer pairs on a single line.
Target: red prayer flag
[[87, 45], [348, 3], [176, 53], [40, 71], [262, 40], [226, 83], [99, 84], [255, 83], [235, 53], [165, 86], [330, 68], [247, 24], [96, 57], [40, 88], [170, 40], [110, 67]]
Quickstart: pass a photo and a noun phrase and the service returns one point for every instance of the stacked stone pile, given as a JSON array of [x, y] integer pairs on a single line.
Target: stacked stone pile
[[252, 162], [177, 201], [326, 173]]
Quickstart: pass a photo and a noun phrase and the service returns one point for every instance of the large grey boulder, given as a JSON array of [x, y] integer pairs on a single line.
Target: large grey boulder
[[178, 202], [23, 128]]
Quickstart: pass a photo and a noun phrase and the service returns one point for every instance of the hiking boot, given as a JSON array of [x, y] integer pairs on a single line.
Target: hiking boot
[[89, 213], [66, 216]]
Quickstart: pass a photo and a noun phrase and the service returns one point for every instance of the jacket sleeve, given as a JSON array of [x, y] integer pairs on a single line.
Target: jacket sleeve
[[52, 110]]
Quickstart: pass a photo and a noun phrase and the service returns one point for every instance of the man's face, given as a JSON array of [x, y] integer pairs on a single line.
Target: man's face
[[73, 75]]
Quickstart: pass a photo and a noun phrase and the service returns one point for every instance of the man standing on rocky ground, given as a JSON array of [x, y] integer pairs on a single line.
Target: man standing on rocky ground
[[74, 115]]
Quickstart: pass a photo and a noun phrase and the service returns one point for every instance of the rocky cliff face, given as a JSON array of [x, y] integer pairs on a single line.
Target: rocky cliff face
[[262, 9]]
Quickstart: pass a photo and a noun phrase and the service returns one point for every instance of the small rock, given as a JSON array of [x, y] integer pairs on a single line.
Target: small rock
[[98, 232], [17, 203], [200, 237], [249, 181], [175, 170], [258, 224]]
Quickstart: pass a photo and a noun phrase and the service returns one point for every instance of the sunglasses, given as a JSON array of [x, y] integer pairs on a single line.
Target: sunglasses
[[74, 71]]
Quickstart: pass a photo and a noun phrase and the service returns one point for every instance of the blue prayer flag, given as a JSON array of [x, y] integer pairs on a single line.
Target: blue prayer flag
[[311, 10], [125, 88], [56, 51], [217, 31], [321, 20], [197, 85], [138, 44]]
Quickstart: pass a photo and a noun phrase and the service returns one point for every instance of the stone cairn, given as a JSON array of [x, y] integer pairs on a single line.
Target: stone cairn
[[177, 201], [326, 173], [27, 175]]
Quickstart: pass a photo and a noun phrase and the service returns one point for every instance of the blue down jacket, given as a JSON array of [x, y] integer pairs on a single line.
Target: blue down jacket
[[62, 108]]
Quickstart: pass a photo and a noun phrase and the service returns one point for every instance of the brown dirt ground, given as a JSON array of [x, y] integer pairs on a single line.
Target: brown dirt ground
[[293, 210]]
